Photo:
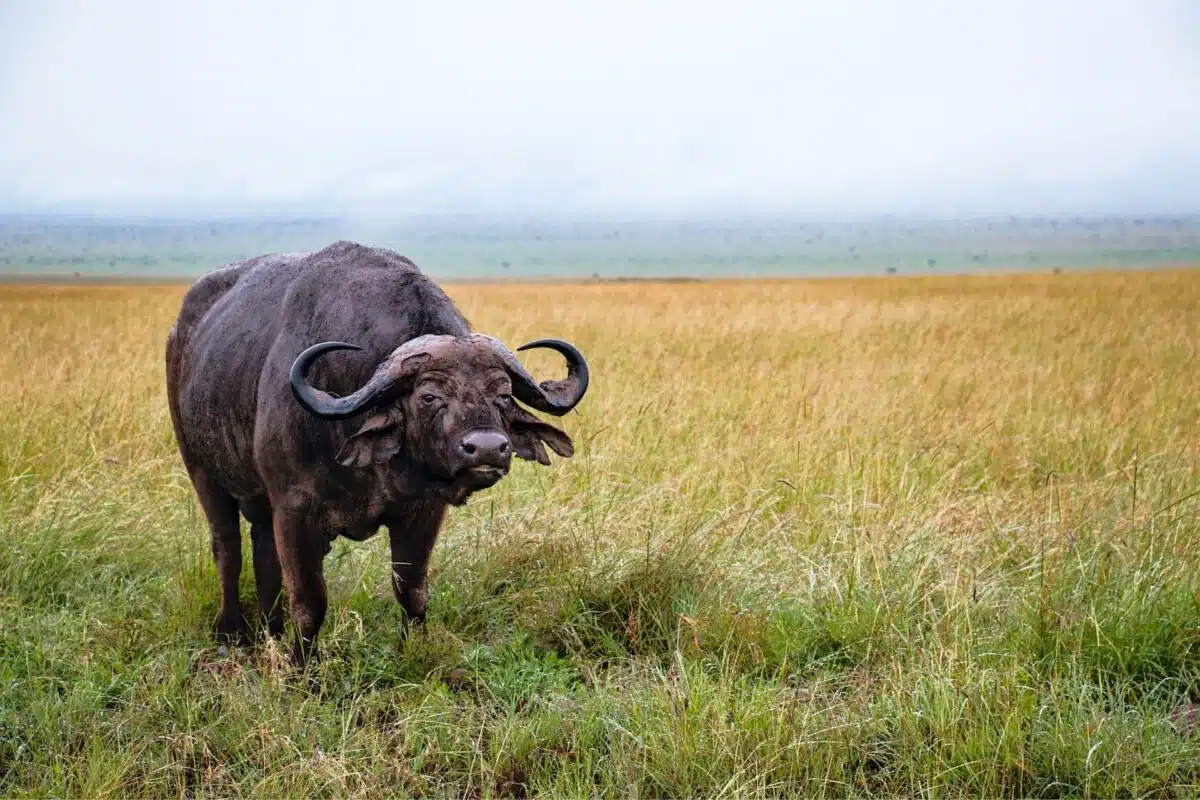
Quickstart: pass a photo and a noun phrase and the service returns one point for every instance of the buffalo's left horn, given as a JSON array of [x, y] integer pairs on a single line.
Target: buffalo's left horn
[[551, 397]]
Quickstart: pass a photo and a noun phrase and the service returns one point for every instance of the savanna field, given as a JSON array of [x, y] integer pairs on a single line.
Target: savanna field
[[903, 536]]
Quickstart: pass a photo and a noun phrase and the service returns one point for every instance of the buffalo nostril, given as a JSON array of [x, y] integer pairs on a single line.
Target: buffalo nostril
[[486, 447]]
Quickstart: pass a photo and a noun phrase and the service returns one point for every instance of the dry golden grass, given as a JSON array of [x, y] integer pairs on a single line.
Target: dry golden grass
[[828, 537]]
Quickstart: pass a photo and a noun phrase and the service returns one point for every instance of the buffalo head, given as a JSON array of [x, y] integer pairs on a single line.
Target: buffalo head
[[448, 404]]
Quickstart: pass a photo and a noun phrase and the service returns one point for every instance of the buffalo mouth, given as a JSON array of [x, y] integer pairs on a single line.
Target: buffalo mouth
[[482, 476]]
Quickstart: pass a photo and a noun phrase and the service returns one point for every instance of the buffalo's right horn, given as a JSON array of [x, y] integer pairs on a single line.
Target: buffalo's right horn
[[373, 392]]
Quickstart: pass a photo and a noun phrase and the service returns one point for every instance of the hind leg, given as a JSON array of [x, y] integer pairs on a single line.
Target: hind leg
[[268, 577], [222, 512]]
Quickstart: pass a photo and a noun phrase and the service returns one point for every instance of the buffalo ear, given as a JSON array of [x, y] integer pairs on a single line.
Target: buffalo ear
[[528, 433], [379, 439]]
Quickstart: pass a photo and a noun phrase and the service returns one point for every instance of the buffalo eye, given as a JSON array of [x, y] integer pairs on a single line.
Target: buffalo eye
[[429, 399], [504, 399]]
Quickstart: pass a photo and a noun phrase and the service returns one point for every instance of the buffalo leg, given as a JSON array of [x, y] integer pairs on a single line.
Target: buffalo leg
[[301, 556], [268, 577], [412, 537], [222, 512]]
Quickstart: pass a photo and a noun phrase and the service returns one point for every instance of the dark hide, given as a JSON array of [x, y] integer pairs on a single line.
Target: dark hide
[[448, 429]]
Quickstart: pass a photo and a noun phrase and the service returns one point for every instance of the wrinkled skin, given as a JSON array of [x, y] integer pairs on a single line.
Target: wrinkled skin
[[447, 426]]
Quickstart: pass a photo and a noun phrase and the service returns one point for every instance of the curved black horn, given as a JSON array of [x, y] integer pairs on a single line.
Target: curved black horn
[[389, 372], [566, 393], [315, 401], [551, 397]]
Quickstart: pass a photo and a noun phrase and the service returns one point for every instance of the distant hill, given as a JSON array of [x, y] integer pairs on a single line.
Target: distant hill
[[478, 247]]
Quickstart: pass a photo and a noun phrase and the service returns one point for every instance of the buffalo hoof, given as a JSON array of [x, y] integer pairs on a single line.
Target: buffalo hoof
[[304, 655], [273, 629], [410, 627], [232, 631], [304, 662]]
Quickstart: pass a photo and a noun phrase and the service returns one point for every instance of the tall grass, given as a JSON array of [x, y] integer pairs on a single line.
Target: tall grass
[[832, 538]]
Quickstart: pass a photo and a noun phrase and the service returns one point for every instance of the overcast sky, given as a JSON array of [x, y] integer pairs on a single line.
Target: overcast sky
[[955, 107]]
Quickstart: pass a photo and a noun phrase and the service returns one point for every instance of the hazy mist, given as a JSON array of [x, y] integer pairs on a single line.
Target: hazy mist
[[618, 107]]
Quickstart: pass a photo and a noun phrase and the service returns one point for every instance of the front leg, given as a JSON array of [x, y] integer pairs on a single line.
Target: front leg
[[412, 537], [301, 548]]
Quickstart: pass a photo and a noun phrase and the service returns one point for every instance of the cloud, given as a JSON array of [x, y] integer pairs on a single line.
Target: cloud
[[622, 106]]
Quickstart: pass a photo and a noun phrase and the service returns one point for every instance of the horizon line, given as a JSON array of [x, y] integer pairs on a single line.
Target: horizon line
[[629, 216]]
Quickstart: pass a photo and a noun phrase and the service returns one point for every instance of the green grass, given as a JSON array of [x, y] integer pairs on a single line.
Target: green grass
[[929, 537]]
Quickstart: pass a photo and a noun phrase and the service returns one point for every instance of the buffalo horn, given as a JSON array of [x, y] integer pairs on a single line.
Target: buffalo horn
[[374, 391], [551, 397]]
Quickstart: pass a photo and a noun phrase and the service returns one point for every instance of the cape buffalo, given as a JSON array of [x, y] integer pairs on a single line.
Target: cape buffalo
[[415, 413]]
